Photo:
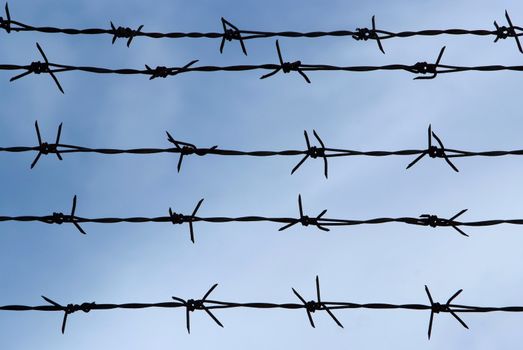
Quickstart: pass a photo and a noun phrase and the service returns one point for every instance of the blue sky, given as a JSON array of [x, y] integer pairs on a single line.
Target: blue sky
[[255, 262]]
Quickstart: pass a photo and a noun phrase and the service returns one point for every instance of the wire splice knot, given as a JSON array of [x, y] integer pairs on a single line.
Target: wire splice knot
[[434, 221]]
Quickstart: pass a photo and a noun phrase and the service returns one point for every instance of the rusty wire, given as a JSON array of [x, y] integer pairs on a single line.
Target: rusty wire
[[230, 32], [319, 151], [211, 306], [424, 70]]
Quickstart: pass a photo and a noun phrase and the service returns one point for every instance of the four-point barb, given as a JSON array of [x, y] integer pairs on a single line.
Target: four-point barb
[[286, 67], [314, 152], [69, 309], [231, 33], [434, 151], [46, 148], [180, 218], [38, 68], [436, 308], [503, 32], [124, 32], [306, 220], [428, 68], [199, 304], [366, 34], [434, 221], [313, 306]]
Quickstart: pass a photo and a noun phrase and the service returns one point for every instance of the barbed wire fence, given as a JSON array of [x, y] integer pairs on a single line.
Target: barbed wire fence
[[209, 306], [435, 149], [419, 68], [233, 33], [320, 221]]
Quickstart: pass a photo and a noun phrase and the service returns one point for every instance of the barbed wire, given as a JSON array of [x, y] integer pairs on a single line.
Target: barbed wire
[[232, 33], [209, 306], [419, 68], [320, 222], [320, 151]]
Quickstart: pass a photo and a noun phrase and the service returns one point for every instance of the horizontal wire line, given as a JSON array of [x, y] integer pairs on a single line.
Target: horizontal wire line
[[208, 306]]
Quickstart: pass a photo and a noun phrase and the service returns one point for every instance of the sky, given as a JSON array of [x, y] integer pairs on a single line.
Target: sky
[[254, 262]]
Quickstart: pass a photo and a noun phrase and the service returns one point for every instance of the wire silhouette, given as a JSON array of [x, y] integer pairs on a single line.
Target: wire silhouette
[[319, 221], [420, 68], [231, 32], [210, 306], [185, 149]]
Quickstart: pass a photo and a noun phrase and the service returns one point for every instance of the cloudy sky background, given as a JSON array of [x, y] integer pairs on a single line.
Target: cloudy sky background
[[255, 262]]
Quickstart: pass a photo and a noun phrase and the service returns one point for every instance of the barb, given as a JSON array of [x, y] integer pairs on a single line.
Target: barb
[[436, 308], [211, 305], [504, 32], [178, 219], [69, 309], [306, 220], [286, 67], [185, 149], [314, 152], [126, 32], [434, 151], [313, 306], [419, 68], [321, 222], [39, 67], [46, 148], [191, 305], [231, 32]]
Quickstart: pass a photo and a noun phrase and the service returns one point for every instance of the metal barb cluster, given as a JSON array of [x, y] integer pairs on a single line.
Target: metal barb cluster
[[286, 67], [199, 304], [124, 32], [178, 219]]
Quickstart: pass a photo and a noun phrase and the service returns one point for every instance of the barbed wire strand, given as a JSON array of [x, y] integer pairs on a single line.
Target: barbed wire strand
[[184, 149], [320, 222], [231, 32], [419, 68], [211, 306]]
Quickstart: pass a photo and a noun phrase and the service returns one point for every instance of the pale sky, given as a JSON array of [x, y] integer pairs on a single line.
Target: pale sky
[[254, 262]]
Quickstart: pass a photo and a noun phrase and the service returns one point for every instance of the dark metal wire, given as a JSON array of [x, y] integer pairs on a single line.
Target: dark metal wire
[[419, 68], [210, 306], [320, 222], [231, 32], [185, 149]]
